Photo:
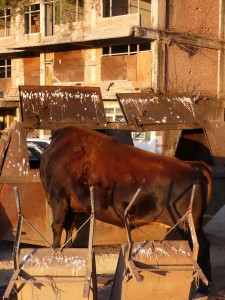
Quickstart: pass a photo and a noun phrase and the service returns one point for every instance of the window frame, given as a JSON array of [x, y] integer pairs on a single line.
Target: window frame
[[31, 13], [109, 50], [6, 16], [114, 114], [6, 68], [61, 12]]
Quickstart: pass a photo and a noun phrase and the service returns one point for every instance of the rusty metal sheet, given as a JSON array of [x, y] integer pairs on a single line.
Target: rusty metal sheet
[[215, 132], [145, 108], [48, 106], [34, 208]]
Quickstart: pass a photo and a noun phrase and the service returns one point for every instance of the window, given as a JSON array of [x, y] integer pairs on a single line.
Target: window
[[114, 114], [5, 22], [69, 11], [32, 18], [115, 8], [127, 62], [5, 68], [126, 49], [138, 135]]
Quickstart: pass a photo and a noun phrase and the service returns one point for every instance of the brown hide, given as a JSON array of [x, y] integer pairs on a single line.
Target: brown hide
[[78, 158]]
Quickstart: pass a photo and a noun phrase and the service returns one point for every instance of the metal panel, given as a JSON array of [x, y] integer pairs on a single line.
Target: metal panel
[[215, 132], [52, 106], [145, 108]]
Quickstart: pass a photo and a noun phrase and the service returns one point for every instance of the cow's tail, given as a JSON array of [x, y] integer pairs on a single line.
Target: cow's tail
[[205, 176]]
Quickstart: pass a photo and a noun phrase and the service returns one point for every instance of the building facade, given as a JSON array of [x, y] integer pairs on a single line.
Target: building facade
[[119, 45]]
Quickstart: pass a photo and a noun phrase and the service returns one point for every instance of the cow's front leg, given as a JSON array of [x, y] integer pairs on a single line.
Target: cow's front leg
[[59, 212]]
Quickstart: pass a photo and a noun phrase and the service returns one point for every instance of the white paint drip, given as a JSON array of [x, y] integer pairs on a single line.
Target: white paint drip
[[44, 263], [156, 250]]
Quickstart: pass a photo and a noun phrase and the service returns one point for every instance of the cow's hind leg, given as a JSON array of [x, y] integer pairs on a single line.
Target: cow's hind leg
[[59, 211]]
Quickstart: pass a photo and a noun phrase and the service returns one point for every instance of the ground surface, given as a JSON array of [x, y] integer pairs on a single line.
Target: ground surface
[[214, 231]]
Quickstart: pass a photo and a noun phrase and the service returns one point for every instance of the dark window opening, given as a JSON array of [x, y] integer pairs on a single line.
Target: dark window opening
[[5, 68], [119, 49], [115, 8]]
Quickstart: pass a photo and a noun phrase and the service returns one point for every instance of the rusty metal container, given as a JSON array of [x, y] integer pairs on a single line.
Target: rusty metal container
[[49, 275], [166, 270]]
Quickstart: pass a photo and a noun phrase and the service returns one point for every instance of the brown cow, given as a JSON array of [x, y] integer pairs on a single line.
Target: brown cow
[[78, 158]]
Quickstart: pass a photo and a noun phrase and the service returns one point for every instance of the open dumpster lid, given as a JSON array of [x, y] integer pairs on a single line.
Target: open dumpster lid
[[215, 133], [143, 109], [49, 107]]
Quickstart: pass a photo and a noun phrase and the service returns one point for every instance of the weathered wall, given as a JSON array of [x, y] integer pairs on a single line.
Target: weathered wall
[[194, 16], [192, 69], [92, 65]]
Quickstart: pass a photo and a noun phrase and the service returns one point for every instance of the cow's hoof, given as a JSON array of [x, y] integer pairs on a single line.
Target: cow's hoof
[[55, 247], [69, 245]]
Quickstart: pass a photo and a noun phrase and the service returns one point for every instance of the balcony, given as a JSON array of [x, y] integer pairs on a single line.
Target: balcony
[[92, 30]]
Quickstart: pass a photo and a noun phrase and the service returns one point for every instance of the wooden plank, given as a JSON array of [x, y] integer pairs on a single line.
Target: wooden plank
[[114, 68], [32, 70], [131, 67], [73, 62]]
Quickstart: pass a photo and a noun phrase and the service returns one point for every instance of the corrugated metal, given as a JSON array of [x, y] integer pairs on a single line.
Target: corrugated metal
[[145, 108], [51, 106]]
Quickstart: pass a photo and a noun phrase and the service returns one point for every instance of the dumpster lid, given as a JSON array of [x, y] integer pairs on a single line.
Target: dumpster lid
[[166, 109], [215, 133], [49, 107]]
